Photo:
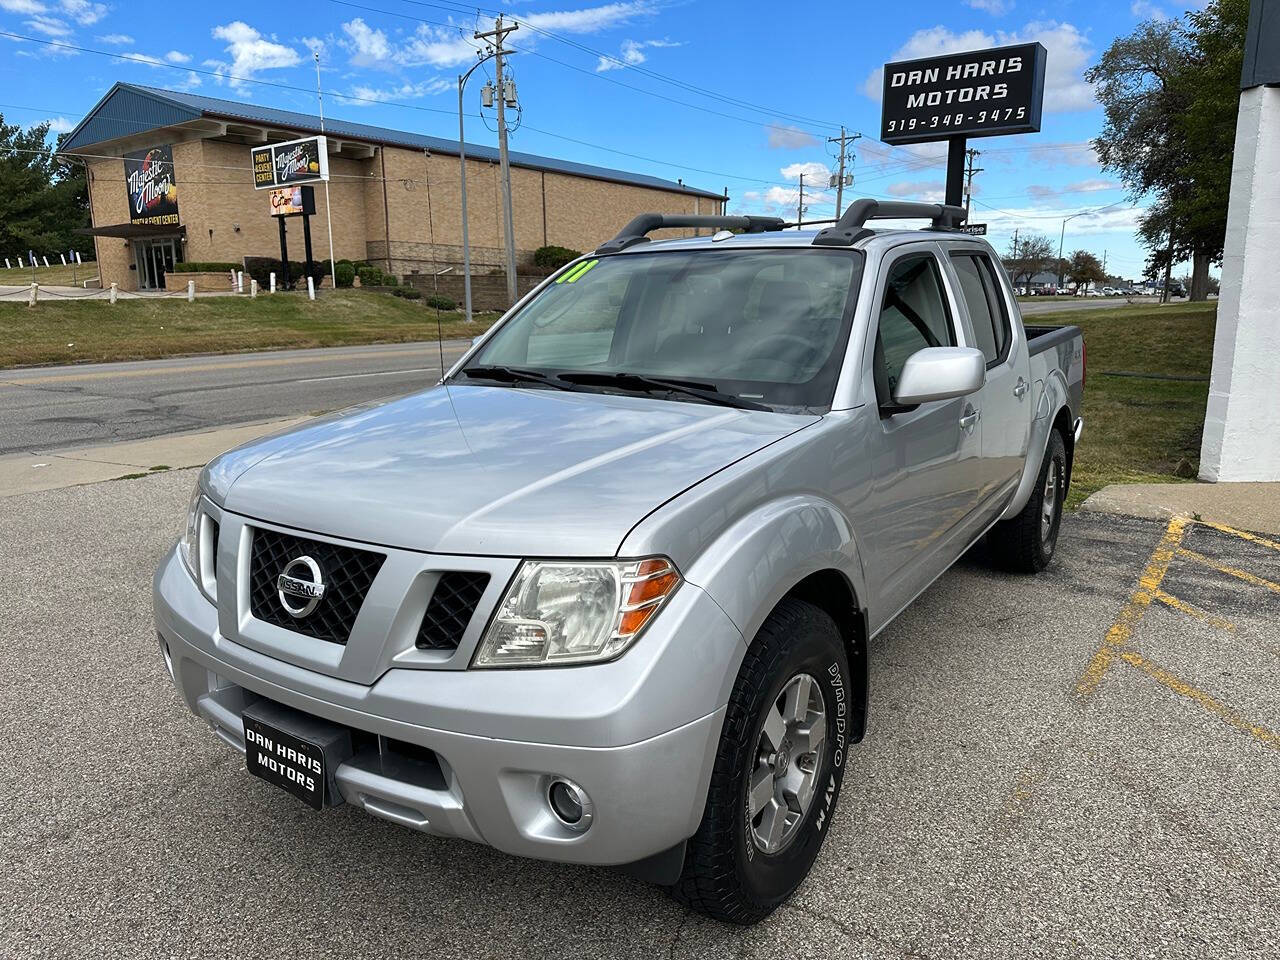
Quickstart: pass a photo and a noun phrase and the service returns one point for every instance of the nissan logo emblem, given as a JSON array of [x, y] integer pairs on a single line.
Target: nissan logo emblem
[[301, 580]]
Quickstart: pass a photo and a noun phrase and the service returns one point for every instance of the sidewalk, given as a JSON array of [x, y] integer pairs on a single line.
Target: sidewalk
[[1245, 506], [32, 472]]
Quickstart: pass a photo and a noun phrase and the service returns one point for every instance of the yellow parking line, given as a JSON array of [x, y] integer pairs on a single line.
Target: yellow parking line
[[1242, 534], [1169, 600], [1148, 584], [1267, 737], [1239, 574]]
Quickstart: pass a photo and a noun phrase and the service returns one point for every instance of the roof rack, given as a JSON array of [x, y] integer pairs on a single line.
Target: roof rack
[[849, 229], [637, 230]]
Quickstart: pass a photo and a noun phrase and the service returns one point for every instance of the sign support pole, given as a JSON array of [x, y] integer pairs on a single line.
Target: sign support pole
[[955, 170], [284, 254], [306, 244], [328, 207]]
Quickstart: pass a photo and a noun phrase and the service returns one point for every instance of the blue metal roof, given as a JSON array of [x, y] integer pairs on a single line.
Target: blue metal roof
[[129, 109]]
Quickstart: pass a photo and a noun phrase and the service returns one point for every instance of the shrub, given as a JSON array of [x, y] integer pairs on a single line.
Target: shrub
[[261, 268], [196, 266], [441, 303], [346, 273], [552, 257], [369, 276], [408, 293]]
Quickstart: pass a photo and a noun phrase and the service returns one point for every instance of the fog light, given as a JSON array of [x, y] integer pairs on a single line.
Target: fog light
[[570, 803]]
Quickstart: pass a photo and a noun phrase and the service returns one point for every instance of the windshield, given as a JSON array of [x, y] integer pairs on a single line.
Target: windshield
[[754, 326]]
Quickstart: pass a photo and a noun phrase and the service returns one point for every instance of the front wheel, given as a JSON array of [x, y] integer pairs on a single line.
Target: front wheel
[[778, 769], [1025, 543]]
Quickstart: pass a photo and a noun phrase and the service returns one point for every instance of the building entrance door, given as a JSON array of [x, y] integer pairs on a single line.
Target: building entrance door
[[155, 258]]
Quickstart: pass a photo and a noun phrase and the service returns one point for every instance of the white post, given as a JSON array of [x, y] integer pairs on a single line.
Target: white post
[[191, 291], [64, 258], [21, 265], [253, 288], [46, 261], [6, 264], [311, 287], [1242, 421], [78, 260], [115, 289], [34, 295], [240, 281], [273, 281]]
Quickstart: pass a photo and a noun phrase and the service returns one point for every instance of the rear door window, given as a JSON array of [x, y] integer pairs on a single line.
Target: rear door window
[[987, 313]]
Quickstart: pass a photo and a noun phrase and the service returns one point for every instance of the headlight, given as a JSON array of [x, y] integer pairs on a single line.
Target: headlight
[[197, 546], [557, 613], [189, 545]]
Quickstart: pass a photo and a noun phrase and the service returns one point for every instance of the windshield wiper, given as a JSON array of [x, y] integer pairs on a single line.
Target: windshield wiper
[[706, 392], [505, 374]]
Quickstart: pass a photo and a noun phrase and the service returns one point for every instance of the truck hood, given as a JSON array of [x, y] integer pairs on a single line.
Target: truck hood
[[490, 470]]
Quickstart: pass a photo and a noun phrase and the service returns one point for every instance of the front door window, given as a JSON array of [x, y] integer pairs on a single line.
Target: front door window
[[155, 258]]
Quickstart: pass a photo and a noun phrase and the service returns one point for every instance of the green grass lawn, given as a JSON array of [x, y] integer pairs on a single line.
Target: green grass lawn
[[95, 331], [54, 275], [1139, 429]]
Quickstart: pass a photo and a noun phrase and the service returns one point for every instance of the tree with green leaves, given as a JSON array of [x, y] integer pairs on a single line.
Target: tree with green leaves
[[43, 198], [1084, 268], [1031, 254], [1170, 92]]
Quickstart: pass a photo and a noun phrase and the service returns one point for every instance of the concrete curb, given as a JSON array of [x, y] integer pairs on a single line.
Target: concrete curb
[[1246, 506], [35, 471]]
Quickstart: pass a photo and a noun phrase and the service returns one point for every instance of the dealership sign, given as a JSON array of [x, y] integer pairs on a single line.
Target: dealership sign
[[293, 201], [982, 93], [287, 164], [153, 191], [974, 229]]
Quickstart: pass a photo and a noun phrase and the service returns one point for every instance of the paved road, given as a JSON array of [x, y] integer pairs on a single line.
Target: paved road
[[49, 407], [1034, 307], [994, 810]]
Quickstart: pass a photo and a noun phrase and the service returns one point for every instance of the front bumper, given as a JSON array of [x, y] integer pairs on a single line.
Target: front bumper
[[648, 785]]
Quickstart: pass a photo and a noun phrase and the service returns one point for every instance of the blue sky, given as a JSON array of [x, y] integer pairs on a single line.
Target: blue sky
[[739, 95]]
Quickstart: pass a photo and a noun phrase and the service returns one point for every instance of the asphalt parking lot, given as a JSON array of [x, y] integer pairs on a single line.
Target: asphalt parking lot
[[1083, 764]]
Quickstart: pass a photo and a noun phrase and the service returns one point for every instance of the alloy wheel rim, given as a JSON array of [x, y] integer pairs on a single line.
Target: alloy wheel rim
[[788, 755], [1049, 502]]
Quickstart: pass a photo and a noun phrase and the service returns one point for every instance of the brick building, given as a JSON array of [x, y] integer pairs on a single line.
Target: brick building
[[396, 196]]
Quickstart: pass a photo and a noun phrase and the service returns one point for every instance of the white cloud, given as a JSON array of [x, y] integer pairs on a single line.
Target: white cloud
[[631, 54], [116, 39], [177, 56], [784, 201], [789, 138], [1114, 218], [1072, 154], [192, 81], [1146, 10], [929, 191], [1094, 185], [368, 46], [814, 173], [251, 52], [1069, 52], [146, 58], [453, 46], [994, 7], [60, 125], [316, 44], [22, 6], [84, 12], [49, 26], [407, 91]]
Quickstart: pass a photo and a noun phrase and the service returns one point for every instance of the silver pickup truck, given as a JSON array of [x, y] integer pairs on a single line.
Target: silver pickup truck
[[606, 593]]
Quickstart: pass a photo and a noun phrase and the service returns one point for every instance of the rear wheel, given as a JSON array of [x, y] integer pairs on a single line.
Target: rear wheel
[[1025, 543], [778, 770]]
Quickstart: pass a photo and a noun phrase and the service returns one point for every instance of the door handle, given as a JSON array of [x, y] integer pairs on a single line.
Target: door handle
[[1020, 388], [969, 419]]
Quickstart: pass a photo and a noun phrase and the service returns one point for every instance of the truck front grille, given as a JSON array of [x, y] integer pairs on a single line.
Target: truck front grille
[[452, 605], [347, 573]]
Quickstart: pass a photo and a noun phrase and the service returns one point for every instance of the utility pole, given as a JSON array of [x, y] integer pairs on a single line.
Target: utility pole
[[328, 207], [496, 36], [840, 180], [970, 156], [800, 203]]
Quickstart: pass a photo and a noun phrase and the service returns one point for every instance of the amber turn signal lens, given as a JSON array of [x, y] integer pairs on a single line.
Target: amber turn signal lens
[[653, 582]]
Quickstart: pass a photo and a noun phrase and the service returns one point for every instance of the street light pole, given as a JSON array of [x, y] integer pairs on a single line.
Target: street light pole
[[462, 159], [1061, 237], [328, 207]]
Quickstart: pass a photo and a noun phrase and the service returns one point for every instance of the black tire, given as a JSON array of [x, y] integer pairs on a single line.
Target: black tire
[[726, 875], [1025, 544]]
